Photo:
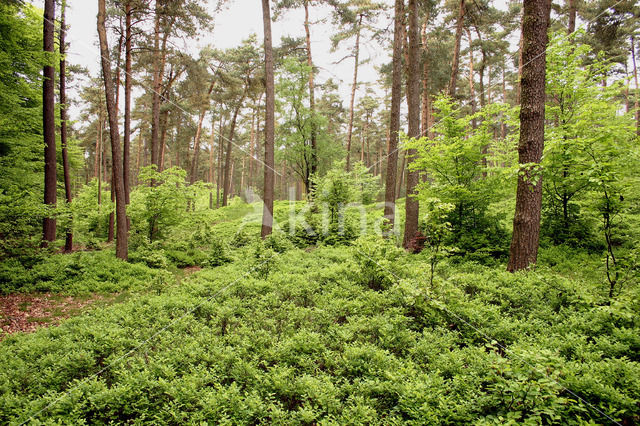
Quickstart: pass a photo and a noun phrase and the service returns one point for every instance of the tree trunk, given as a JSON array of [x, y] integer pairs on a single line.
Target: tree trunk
[[68, 243], [126, 175], [49, 124], [121, 209], [227, 165], [157, 80], [456, 51], [520, 61], [572, 17], [526, 222], [354, 86], [426, 95], [219, 179], [312, 97], [394, 121], [196, 141], [413, 103], [635, 78], [212, 142]]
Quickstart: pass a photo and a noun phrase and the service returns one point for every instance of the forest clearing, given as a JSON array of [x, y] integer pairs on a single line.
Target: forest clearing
[[433, 219]]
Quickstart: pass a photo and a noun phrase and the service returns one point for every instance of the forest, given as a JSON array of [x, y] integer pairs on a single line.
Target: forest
[[368, 212]]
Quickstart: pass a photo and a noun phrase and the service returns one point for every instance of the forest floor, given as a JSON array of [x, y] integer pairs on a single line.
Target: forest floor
[[28, 312]]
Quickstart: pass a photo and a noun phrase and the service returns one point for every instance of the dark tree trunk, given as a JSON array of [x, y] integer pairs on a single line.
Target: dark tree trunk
[[68, 243], [354, 86], [269, 123], [49, 124], [413, 103], [394, 121], [121, 208], [456, 51], [526, 222]]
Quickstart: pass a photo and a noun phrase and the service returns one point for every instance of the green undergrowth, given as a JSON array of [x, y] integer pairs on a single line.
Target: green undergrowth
[[78, 273], [345, 335]]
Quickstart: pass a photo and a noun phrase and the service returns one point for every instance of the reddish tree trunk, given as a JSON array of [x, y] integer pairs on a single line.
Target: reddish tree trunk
[[456, 51], [353, 92], [127, 104], [394, 121], [269, 125], [49, 124], [312, 97], [227, 165], [526, 222], [413, 103], [68, 243], [121, 209]]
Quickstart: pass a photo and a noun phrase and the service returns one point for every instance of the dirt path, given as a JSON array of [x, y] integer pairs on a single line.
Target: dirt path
[[28, 312]]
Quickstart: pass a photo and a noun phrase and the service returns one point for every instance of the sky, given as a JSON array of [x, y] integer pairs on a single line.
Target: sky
[[234, 23]]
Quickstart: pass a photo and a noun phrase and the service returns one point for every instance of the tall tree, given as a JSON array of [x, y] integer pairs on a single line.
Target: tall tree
[[118, 181], [456, 50], [394, 119], [68, 243], [127, 101], [526, 222], [413, 103], [269, 124], [49, 122]]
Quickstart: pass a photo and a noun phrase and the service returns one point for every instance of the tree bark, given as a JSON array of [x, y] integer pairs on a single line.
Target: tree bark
[[635, 78], [68, 243], [456, 51], [354, 86], [526, 222], [126, 175], [312, 97], [121, 208], [219, 179], [196, 141], [426, 96], [394, 120], [211, 163], [413, 104], [157, 80], [49, 124], [571, 27], [227, 165]]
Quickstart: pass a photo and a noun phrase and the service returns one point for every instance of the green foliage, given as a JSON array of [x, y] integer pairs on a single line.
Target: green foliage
[[78, 273], [307, 340], [459, 174], [90, 219], [589, 146], [159, 203]]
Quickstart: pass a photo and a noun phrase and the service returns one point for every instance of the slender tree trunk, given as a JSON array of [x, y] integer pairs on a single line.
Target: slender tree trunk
[[394, 120], [219, 179], [354, 86], [252, 153], [121, 209], [401, 178], [157, 81], [426, 95], [413, 103], [456, 52], [99, 143], [526, 222], [312, 96], [635, 78], [49, 124], [228, 164], [520, 60], [196, 141], [572, 17], [212, 141], [68, 243], [126, 175], [503, 126]]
